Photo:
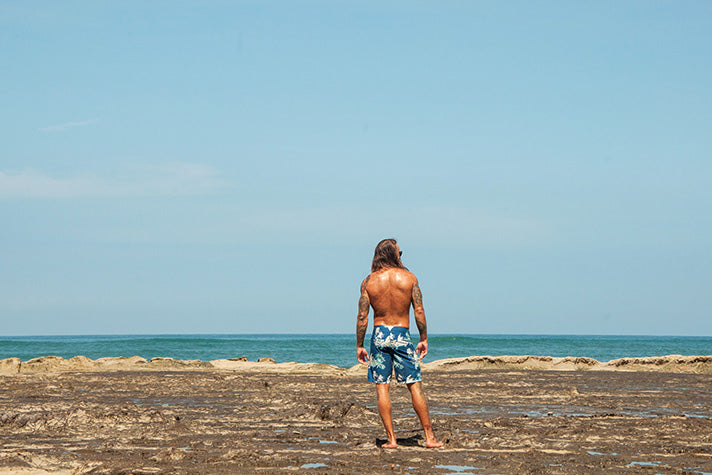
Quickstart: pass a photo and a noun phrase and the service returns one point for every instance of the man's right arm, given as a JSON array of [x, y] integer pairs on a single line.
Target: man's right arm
[[364, 304]]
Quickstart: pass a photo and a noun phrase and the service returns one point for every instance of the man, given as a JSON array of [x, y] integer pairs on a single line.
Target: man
[[391, 289]]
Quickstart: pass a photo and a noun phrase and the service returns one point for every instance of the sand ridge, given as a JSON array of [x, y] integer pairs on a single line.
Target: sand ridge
[[668, 363]]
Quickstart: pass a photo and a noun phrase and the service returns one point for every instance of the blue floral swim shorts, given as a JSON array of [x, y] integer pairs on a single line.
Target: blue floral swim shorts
[[391, 349]]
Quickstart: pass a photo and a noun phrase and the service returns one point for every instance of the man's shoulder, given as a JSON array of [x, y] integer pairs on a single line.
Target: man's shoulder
[[405, 278], [391, 270], [407, 274], [388, 274], [364, 282]]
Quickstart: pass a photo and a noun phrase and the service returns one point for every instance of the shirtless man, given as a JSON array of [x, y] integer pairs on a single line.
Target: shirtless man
[[390, 289]]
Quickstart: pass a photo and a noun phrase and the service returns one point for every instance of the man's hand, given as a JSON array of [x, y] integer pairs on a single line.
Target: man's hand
[[422, 349], [362, 355]]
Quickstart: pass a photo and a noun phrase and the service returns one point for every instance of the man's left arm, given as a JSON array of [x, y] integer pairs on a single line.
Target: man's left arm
[[419, 312]]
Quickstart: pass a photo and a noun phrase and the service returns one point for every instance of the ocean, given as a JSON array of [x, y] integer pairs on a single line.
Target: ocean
[[340, 350]]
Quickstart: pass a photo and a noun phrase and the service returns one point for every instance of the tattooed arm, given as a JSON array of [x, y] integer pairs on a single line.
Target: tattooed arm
[[362, 322], [419, 312]]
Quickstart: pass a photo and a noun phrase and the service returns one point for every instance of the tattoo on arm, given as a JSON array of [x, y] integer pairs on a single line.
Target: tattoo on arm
[[365, 283], [417, 296], [419, 312], [362, 318], [422, 328], [363, 304]]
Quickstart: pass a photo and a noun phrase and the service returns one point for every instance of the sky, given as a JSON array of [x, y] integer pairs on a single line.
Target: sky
[[229, 167]]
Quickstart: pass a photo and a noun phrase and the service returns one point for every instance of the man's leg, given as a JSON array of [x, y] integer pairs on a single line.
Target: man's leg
[[421, 408], [384, 408]]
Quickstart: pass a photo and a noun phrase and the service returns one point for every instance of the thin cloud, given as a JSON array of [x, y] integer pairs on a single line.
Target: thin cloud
[[144, 180], [68, 125], [421, 225], [253, 224]]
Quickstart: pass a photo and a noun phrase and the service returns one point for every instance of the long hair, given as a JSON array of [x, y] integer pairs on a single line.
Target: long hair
[[386, 255]]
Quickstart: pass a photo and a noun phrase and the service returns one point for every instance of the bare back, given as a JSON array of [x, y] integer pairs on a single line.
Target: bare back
[[390, 292]]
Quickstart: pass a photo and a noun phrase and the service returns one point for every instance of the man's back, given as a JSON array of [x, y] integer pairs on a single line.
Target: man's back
[[390, 292]]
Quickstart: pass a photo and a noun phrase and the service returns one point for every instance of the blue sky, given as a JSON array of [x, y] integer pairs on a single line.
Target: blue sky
[[228, 167]]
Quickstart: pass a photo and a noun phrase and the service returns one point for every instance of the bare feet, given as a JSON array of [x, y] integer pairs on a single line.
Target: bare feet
[[390, 445], [433, 444]]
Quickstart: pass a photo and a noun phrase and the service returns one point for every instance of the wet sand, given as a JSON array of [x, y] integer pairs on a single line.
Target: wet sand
[[316, 419]]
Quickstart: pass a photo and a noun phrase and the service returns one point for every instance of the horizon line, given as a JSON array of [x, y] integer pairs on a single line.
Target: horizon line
[[345, 334]]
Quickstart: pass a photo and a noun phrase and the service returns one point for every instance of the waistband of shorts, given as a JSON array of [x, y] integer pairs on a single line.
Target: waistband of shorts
[[392, 329]]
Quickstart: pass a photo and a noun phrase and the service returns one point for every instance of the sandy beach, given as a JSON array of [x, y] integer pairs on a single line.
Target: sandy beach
[[496, 415]]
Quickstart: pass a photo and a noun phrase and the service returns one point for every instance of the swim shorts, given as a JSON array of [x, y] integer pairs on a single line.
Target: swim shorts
[[391, 348]]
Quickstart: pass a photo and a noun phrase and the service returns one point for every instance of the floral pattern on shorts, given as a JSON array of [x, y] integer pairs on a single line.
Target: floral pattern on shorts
[[391, 348]]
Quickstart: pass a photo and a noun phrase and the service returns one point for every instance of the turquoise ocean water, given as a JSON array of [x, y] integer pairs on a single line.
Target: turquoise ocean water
[[340, 349]]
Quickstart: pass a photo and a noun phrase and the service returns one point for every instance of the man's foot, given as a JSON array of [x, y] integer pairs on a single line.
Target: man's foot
[[433, 444], [390, 445]]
